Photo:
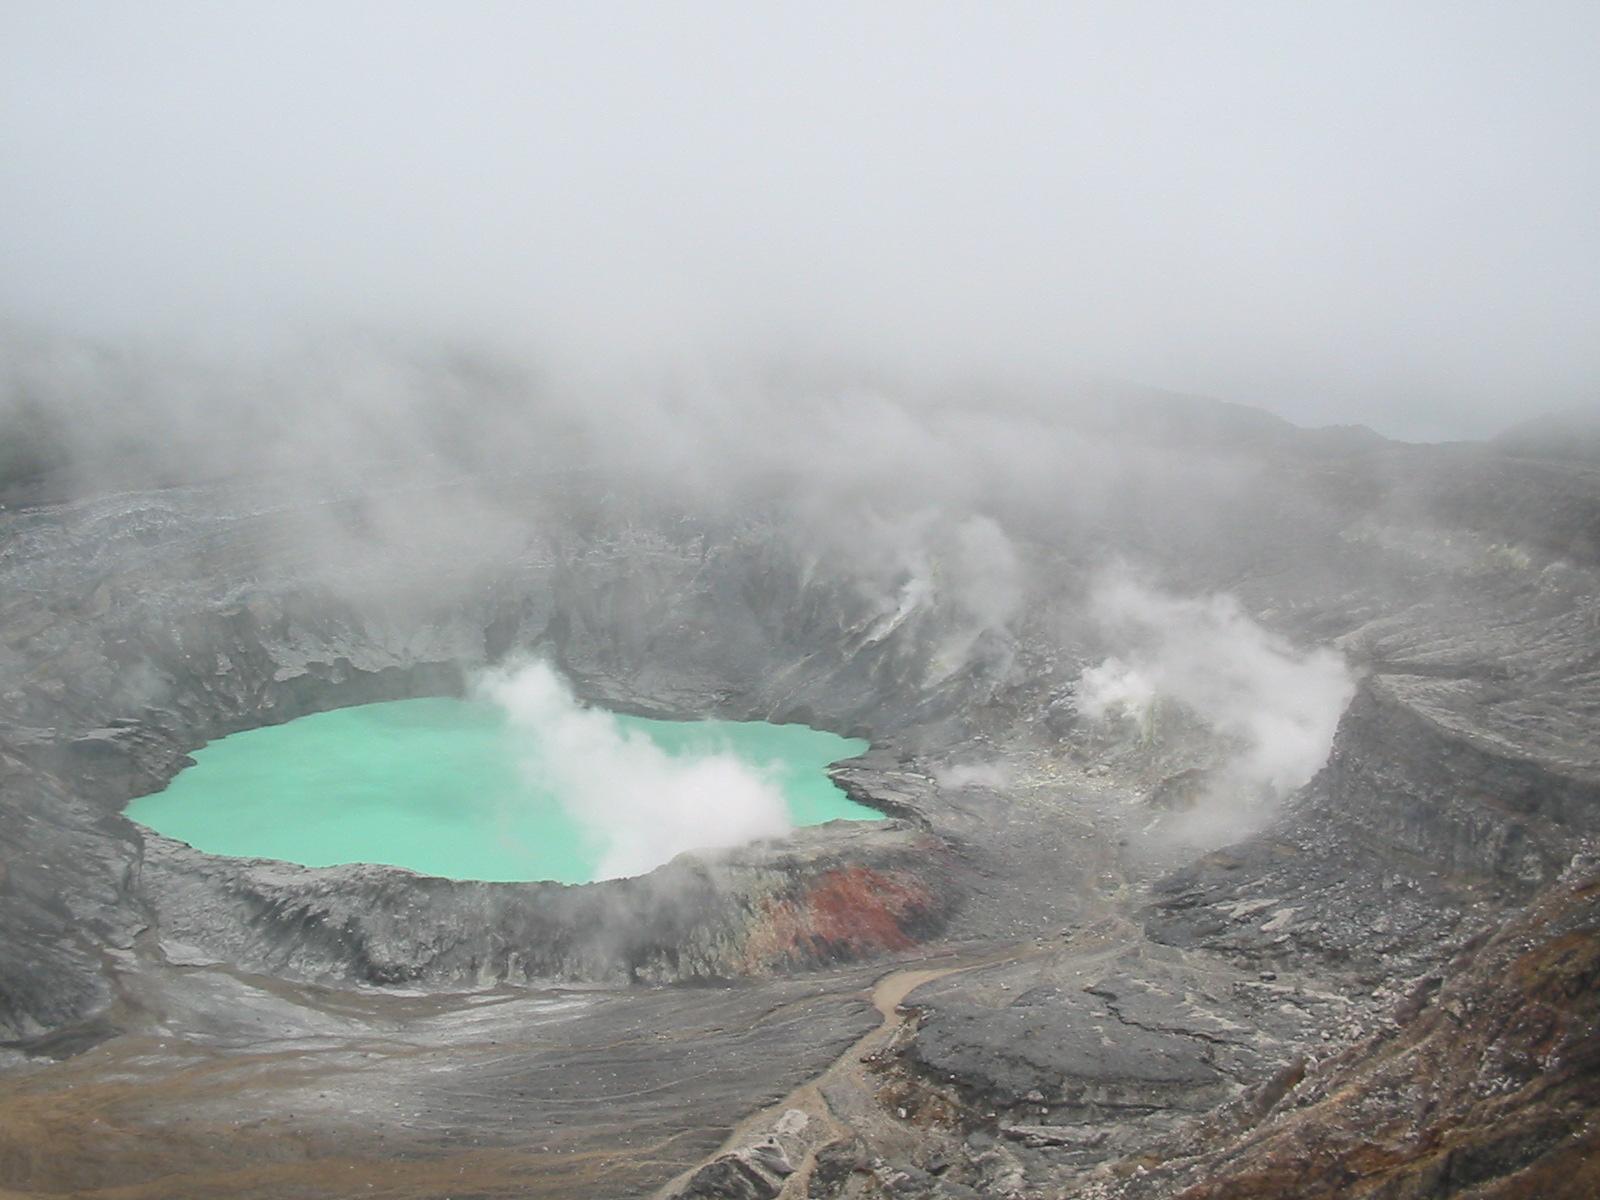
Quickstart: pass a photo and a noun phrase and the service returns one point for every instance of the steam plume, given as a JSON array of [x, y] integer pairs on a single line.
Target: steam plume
[[638, 804], [1249, 685]]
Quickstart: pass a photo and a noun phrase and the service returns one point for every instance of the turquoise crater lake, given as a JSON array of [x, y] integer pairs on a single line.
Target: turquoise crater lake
[[450, 788]]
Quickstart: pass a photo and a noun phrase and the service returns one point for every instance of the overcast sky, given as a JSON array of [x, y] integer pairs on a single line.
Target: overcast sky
[[1342, 212]]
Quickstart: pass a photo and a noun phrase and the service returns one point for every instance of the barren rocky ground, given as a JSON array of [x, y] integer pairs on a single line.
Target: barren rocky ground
[[1014, 985]]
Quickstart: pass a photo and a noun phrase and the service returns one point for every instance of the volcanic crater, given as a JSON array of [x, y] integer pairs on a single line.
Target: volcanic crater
[[1049, 969]]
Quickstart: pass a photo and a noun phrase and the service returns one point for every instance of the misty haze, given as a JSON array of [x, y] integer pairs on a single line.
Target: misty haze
[[905, 601]]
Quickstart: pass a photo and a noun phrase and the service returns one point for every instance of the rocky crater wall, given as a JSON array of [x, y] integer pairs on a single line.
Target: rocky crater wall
[[1408, 771], [122, 682]]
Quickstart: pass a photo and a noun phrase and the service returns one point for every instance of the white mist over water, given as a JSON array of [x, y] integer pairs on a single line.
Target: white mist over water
[[1248, 684], [639, 804]]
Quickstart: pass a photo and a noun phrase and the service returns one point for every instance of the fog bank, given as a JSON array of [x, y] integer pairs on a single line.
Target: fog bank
[[1365, 212]]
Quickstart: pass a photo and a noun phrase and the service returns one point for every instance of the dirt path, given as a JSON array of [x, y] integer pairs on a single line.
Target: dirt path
[[842, 1101], [847, 1074]]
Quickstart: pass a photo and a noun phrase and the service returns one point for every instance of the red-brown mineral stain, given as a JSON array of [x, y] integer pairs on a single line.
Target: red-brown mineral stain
[[846, 913]]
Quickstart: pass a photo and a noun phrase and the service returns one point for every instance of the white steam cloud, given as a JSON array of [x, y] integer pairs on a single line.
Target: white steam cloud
[[910, 565], [640, 805], [1249, 685]]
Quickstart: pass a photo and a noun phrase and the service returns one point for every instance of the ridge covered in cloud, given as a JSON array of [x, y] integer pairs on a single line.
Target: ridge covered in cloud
[[1352, 213]]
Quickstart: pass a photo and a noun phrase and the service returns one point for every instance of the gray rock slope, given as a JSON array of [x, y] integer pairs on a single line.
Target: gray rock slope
[[1086, 995]]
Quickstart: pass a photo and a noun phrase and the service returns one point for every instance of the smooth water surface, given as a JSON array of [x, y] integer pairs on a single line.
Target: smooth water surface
[[440, 786]]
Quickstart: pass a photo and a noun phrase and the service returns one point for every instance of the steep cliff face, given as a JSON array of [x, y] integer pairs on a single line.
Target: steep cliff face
[[66, 889], [1483, 1080], [108, 713], [1410, 769], [755, 910]]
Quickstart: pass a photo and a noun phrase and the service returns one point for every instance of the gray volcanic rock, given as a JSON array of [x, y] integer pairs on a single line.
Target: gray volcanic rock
[[1064, 1053], [1426, 765], [756, 1173], [1484, 1085], [755, 910], [1072, 999], [200, 622]]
